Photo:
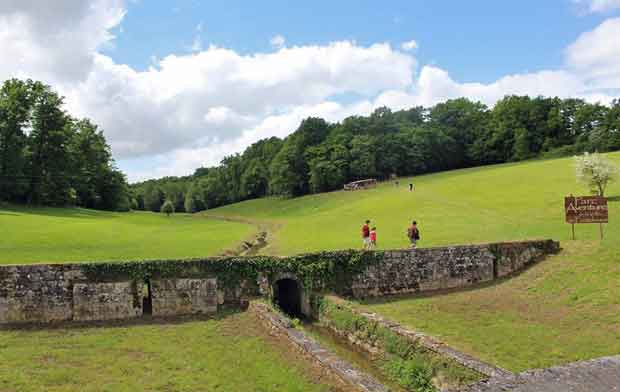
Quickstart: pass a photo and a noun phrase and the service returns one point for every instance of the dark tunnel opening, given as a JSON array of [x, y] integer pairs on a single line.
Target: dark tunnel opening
[[287, 296]]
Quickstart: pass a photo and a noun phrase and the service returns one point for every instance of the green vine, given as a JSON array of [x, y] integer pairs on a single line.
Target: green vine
[[317, 271]]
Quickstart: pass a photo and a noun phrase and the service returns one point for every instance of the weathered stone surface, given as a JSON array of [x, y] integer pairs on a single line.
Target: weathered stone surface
[[597, 375], [106, 301], [514, 256], [413, 271], [36, 294], [45, 293], [184, 296]]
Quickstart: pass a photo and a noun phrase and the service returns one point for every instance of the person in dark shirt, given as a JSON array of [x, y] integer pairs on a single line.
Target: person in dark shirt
[[414, 234]]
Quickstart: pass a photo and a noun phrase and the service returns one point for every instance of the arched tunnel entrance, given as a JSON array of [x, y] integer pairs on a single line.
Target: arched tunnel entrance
[[287, 295]]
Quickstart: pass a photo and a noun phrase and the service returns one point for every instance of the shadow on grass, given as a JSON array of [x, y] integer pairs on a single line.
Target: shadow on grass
[[145, 320], [57, 212], [613, 199]]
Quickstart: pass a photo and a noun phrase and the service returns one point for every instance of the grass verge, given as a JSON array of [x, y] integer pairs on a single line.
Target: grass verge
[[225, 354]]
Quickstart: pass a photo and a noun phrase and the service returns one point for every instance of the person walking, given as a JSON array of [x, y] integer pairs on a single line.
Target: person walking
[[366, 235], [414, 234], [373, 238]]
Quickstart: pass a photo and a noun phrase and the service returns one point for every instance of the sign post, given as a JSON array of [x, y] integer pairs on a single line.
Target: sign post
[[586, 209]]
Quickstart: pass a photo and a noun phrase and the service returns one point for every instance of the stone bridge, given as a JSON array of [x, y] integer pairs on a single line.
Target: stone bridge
[[47, 293]]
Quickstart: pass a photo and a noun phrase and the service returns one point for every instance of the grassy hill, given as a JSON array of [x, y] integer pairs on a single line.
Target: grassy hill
[[564, 309], [30, 235], [494, 203]]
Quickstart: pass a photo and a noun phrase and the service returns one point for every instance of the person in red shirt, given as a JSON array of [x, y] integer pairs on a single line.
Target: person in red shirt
[[366, 235], [373, 237]]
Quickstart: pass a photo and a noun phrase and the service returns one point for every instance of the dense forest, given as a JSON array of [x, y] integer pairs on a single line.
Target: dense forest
[[459, 133], [48, 157]]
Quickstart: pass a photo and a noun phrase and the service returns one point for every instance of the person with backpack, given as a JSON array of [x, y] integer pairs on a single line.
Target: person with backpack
[[366, 235], [414, 234]]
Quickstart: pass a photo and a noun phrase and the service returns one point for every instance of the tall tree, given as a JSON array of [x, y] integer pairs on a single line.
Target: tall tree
[[153, 198], [91, 163], [49, 148], [15, 107]]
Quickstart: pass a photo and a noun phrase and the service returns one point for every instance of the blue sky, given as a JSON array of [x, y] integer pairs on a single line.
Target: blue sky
[[476, 40], [176, 85]]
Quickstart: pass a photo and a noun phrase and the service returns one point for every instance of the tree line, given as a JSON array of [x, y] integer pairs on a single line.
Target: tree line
[[458, 133], [49, 158]]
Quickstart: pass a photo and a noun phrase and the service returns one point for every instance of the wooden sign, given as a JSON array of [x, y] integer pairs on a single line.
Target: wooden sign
[[586, 209]]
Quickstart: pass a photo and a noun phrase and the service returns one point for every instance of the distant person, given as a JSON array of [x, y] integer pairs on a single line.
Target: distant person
[[373, 237], [414, 234], [366, 235], [410, 187]]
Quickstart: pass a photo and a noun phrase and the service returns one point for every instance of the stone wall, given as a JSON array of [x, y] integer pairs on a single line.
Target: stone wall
[[106, 301], [37, 293], [66, 292], [513, 256], [413, 271], [173, 297], [63, 292]]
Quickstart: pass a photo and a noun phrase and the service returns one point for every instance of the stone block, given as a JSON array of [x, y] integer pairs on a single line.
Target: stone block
[[173, 297], [106, 301]]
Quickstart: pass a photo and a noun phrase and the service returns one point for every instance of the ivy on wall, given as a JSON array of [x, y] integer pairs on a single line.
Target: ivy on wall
[[333, 270]]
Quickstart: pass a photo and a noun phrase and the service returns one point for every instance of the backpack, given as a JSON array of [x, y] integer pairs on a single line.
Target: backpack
[[414, 233]]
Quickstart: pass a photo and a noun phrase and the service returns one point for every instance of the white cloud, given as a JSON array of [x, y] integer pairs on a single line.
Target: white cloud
[[409, 45], [277, 41], [596, 55], [195, 108], [55, 42], [435, 85], [185, 160], [598, 5], [216, 94]]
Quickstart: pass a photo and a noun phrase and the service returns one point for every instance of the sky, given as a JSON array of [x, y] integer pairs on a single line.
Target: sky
[[177, 85]]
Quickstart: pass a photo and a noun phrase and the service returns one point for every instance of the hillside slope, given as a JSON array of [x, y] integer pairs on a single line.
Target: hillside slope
[[564, 309], [41, 235], [494, 203]]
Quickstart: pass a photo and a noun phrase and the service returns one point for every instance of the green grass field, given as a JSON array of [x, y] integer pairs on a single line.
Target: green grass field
[[227, 354], [564, 309], [495, 203], [30, 235]]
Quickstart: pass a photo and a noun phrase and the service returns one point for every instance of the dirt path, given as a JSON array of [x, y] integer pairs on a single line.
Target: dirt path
[[255, 244]]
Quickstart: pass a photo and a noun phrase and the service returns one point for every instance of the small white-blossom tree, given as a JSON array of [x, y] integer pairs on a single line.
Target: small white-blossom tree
[[596, 171]]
